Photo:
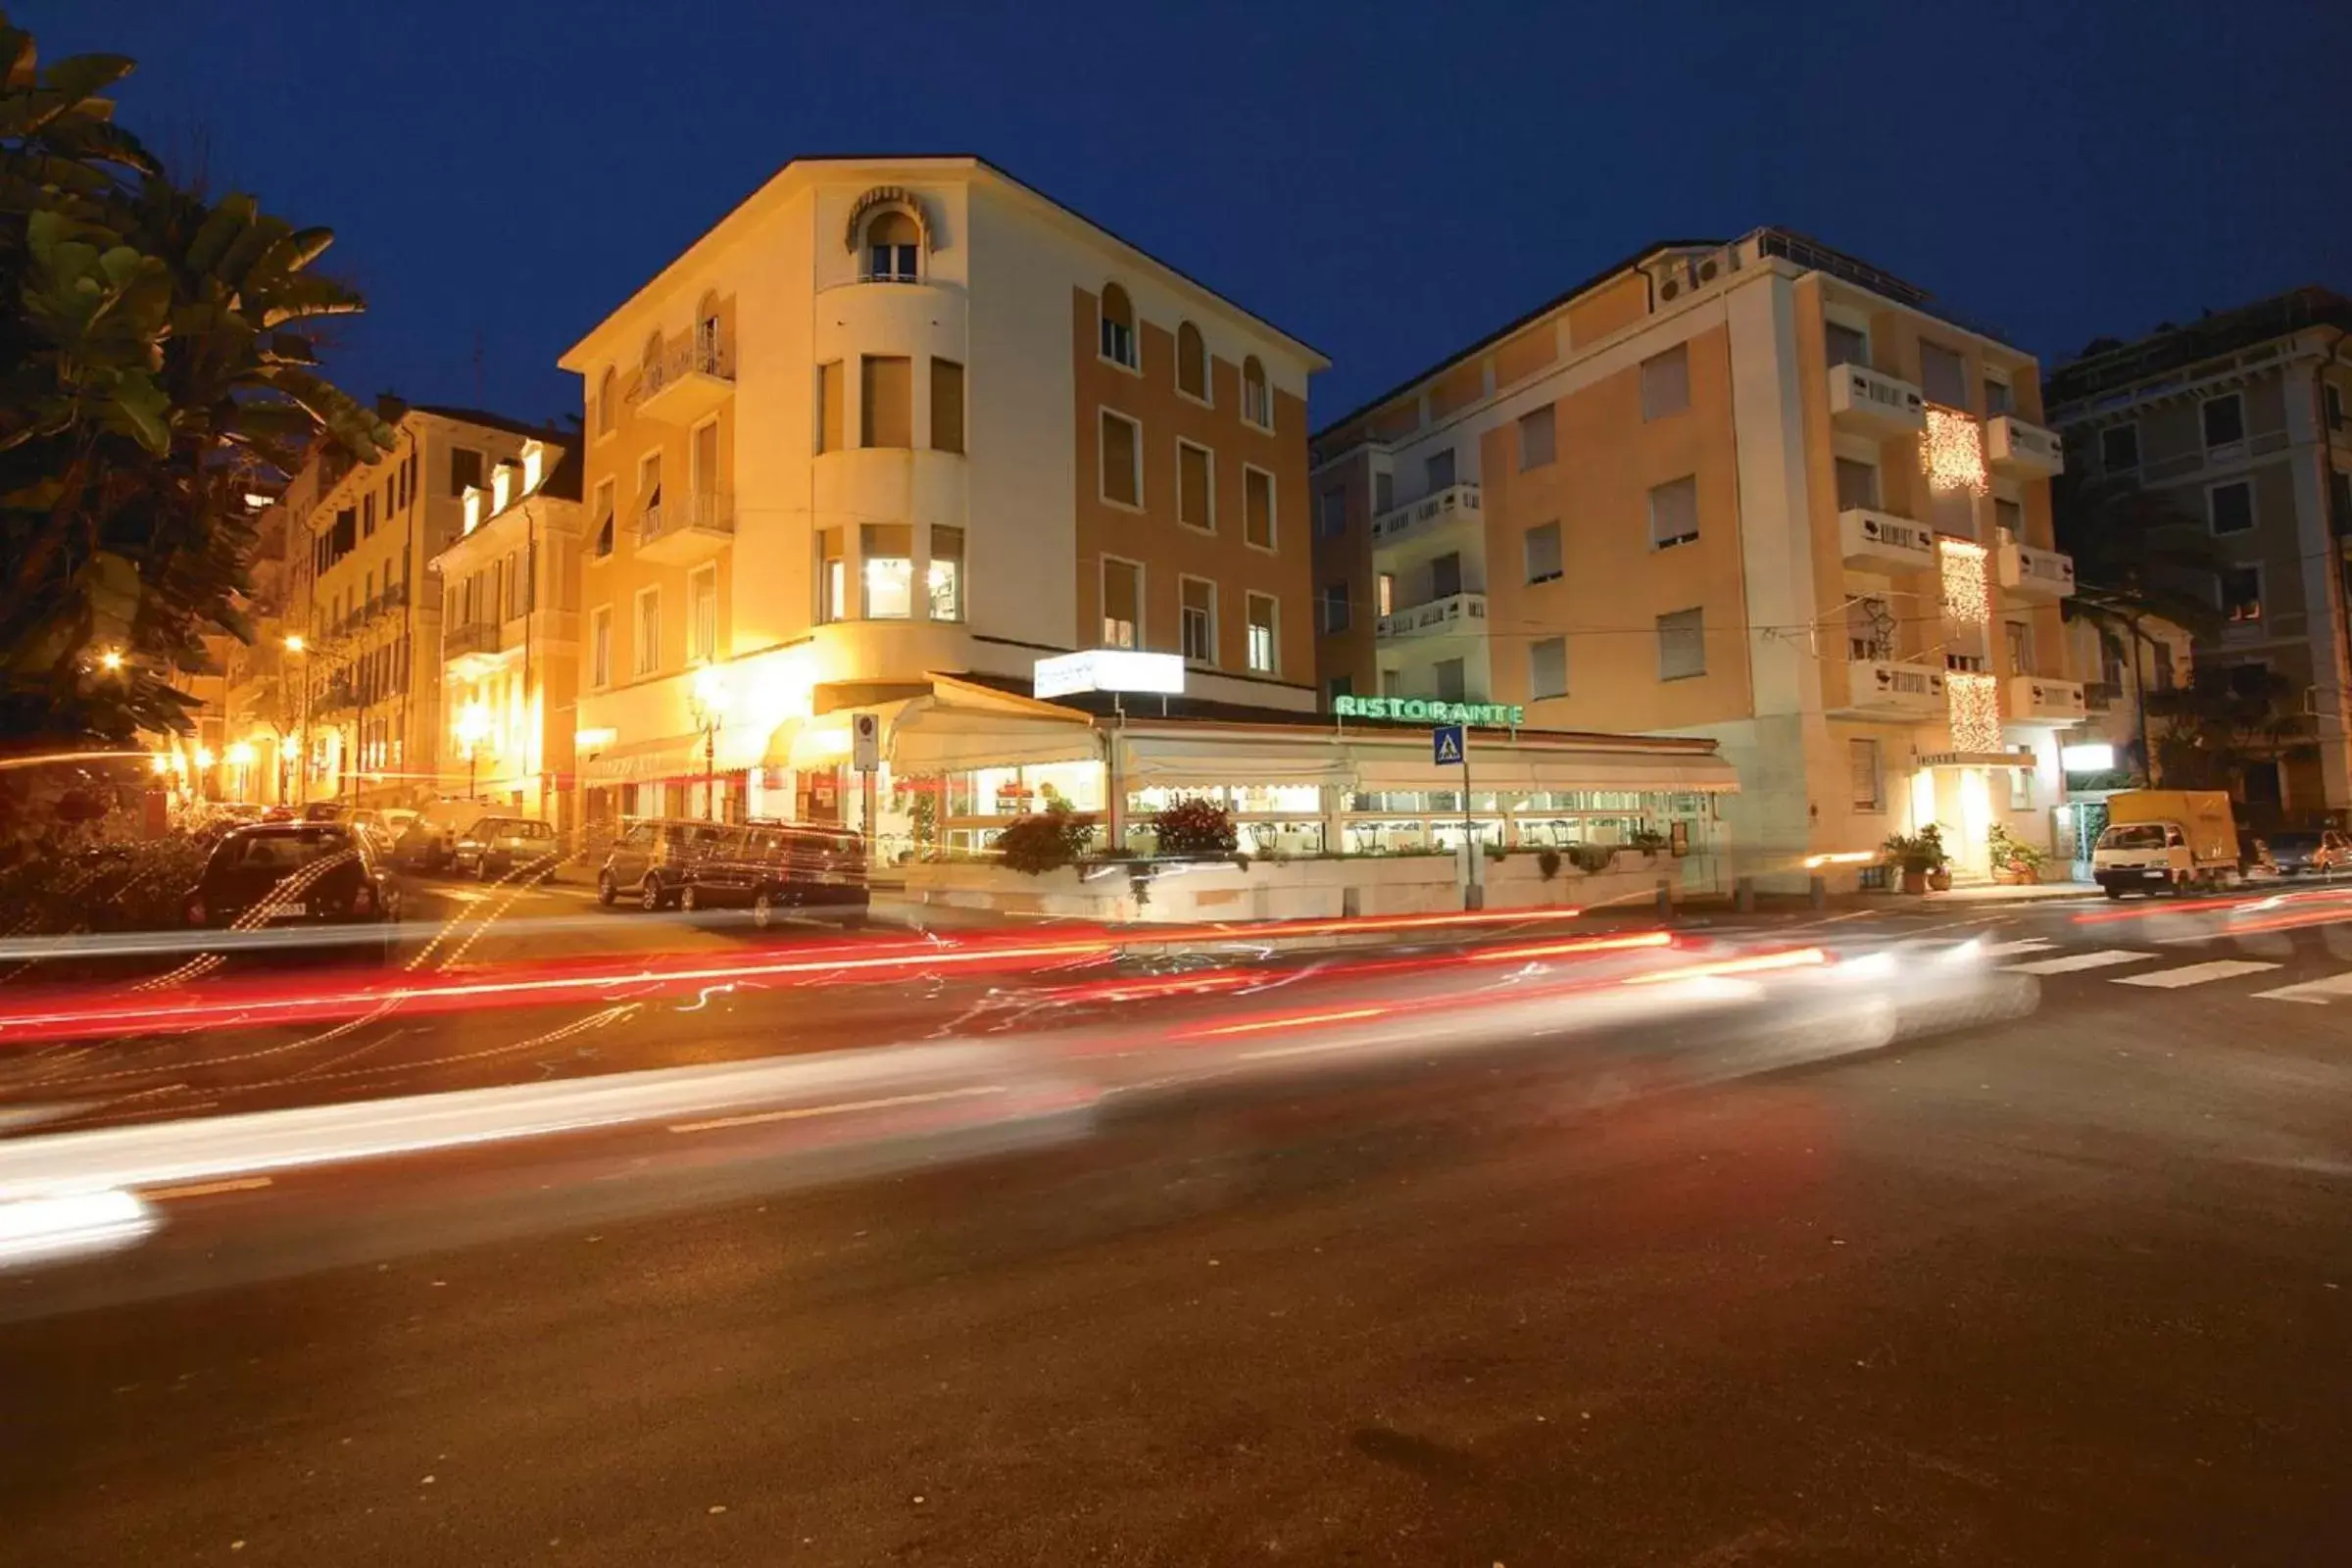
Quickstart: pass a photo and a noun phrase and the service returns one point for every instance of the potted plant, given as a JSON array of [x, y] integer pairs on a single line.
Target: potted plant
[[2014, 864], [1922, 858]]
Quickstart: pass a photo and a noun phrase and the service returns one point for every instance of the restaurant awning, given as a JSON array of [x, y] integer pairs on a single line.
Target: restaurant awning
[[1189, 762], [1526, 767], [932, 737], [670, 757]]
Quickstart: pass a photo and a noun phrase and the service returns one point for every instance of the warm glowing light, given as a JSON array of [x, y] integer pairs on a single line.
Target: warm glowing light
[[241, 754], [295, 644], [110, 659], [2090, 756], [1814, 862], [1966, 597], [158, 763], [593, 740], [1952, 452], [205, 757], [1974, 701], [711, 690], [1799, 959], [474, 725]]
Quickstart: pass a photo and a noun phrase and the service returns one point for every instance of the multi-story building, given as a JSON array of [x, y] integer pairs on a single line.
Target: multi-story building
[[510, 633], [894, 418], [372, 712], [2238, 420], [1757, 491]]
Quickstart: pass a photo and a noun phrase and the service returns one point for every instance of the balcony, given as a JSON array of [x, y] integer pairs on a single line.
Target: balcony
[[1455, 612], [1869, 402], [472, 646], [1428, 517], [688, 382], [686, 531], [2100, 697], [2035, 576], [1880, 541], [1881, 688], [2035, 701], [2023, 451]]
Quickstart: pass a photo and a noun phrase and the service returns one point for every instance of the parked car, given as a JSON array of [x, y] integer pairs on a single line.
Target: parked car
[[2323, 850], [772, 866], [325, 812], [284, 873], [650, 860], [428, 840], [497, 845], [382, 827]]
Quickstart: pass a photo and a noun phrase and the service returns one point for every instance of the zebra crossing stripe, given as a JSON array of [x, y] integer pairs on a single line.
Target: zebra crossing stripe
[[2194, 974], [2315, 992], [2103, 957], [2008, 950]]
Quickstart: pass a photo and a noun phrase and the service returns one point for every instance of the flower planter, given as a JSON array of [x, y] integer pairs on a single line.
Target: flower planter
[[1914, 881], [2014, 876], [1939, 881]]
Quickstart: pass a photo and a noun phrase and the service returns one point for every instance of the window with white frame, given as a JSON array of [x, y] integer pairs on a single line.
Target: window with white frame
[[1866, 780], [1666, 383], [886, 569], [1192, 361], [1196, 487], [1117, 340], [701, 614], [944, 576], [1122, 461], [1682, 645], [649, 493], [1384, 594], [1264, 638], [832, 577], [1258, 398], [1548, 668], [1257, 508], [1674, 513], [1122, 593], [1197, 604], [894, 246], [599, 646], [1537, 438], [649, 632]]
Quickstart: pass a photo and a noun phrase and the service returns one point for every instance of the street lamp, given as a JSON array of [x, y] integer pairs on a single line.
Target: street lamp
[[240, 758], [109, 661], [296, 646], [710, 701], [473, 728]]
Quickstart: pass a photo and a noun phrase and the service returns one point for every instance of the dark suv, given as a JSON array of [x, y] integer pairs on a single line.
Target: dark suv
[[275, 874], [650, 860], [769, 866]]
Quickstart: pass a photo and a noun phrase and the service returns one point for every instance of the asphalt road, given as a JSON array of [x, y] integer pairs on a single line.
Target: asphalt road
[[2074, 1289]]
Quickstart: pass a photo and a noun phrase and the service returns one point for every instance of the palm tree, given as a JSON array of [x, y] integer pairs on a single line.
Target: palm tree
[[2223, 722]]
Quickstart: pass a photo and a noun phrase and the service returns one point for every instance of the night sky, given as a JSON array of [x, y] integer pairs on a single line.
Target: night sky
[[1384, 181]]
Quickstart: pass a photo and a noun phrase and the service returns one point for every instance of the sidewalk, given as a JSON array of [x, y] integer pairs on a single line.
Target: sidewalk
[[1999, 893]]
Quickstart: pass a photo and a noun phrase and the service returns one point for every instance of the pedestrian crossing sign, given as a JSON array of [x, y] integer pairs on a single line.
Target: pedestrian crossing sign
[[1447, 743]]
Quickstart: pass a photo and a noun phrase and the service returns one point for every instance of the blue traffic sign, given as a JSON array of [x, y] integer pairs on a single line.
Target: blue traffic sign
[[1446, 744]]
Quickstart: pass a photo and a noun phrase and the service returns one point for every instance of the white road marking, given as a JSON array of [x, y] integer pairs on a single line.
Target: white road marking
[[2102, 958], [2315, 992], [2195, 974], [844, 1107], [2004, 950]]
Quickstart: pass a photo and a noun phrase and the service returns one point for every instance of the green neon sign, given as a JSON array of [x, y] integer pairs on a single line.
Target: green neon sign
[[1494, 714]]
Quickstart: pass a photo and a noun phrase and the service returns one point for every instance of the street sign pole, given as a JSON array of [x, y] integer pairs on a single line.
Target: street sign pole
[[1449, 744]]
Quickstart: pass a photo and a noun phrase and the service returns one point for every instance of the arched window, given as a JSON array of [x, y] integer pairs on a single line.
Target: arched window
[[1257, 403], [1192, 361], [1119, 326], [706, 358], [894, 247], [607, 392]]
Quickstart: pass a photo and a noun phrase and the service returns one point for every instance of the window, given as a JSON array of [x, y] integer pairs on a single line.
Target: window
[[2021, 789], [2119, 449], [2241, 593], [1666, 383], [2339, 501], [1257, 509], [893, 244], [1122, 603], [701, 459], [1865, 778], [1674, 513], [2332, 401], [1384, 593], [1845, 345], [1536, 437], [886, 401], [1445, 575], [368, 516], [947, 405], [1943, 376], [1257, 401], [829, 407], [2229, 507], [701, 614], [465, 470], [1436, 471], [1118, 327], [1542, 545], [946, 575], [1997, 398], [1198, 605], [886, 569], [1448, 676], [603, 545], [1191, 363], [1857, 485], [1195, 504], [1331, 514], [607, 394], [1682, 645], [649, 631], [2018, 638], [1384, 493], [649, 493], [2224, 421], [1262, 640], [1122, 460], [1548, 668], [832, 577], [1335, 607]]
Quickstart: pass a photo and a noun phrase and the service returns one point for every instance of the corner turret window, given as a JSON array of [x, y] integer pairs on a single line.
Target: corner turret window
[[893, 248]]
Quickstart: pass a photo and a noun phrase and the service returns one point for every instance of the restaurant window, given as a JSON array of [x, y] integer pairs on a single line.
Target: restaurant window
[[2119, 449], [945, 578], [2224, 421], [1845, 345], [1192, 361], [1674, 513], [1122, 460], [947, 405], [1258, 513], [1943, 376], [1262, 612], [1542, 545], [832, 577], [1536, 438], [886, 401], [1195, 504], [1682, 645], [1666, 383], [2231, 506], [649, 631], [886, 569], [1199, 610], [1452, 683], [1548, 668], [1122, 603], [1857, 485], [465, 469], [1865, 782], [701, 614], [599, 646], [829, 405], [1335, 607]]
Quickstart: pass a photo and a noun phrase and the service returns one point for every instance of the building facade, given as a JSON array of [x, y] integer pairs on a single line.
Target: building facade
[[1757, 491], [509, 644], [2239, 423], [898, 417]]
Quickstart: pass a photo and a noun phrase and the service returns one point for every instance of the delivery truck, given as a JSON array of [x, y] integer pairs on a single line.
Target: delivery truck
[[2166, 840]]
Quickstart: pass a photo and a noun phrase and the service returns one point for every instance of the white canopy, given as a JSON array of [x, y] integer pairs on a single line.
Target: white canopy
[[1195, 761], [933, 737]]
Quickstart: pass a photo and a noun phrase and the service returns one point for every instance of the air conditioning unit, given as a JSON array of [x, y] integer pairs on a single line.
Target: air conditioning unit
[[1676, 274]]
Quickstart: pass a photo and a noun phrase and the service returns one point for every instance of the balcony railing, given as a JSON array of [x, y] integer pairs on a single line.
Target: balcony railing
[[1435, 510], [2014, 446], [2033, 700], [686, 381], [1880, 541], [1874, 402], [686, 530], [2041, 575], [470, 638], [2101, 696], [1883, 688], [1455, 612]]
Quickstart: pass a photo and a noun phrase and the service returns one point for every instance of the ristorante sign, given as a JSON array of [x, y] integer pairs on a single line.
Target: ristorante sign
[[1428, 711]]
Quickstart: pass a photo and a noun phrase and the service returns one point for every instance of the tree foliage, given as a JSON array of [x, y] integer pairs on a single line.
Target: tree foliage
[[2136, 556], [152, 372], [2222, 721]]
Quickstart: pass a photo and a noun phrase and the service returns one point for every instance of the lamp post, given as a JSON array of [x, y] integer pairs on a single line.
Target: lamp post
[[473, 728], [708, 699], [295, 646]]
